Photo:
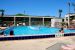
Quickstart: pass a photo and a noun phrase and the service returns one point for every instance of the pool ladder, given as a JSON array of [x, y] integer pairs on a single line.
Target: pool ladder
[[59, 35]]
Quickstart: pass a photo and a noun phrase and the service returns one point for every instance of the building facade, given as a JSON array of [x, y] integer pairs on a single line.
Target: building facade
[[70, 18], [29, 21]]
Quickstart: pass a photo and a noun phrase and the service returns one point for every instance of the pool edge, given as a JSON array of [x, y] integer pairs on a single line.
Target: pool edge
[[31, 37]]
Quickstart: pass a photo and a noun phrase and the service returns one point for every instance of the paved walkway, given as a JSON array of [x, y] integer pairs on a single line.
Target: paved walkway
[[35, 44]]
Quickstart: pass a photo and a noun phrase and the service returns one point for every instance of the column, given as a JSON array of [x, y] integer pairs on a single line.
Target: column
[[43, 21], [29, 21], [14, 20], [68, 19]]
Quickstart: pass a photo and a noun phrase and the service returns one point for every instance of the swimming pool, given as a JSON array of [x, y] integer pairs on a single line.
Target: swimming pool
[[34, 30]]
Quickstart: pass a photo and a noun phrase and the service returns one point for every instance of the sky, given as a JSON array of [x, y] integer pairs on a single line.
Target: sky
[[36, 7]]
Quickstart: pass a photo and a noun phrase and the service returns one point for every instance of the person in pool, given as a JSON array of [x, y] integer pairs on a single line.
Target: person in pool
[[61, 30], [11, 33]]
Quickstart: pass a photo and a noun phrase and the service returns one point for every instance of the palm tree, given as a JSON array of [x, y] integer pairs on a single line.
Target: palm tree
[[2, 12], [73, 4], [60, 11]]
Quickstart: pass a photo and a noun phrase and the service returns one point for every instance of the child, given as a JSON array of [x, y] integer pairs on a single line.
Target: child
[[61, 31]]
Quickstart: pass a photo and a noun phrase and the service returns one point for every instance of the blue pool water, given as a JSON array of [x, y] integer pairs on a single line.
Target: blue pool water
[[34, 30]]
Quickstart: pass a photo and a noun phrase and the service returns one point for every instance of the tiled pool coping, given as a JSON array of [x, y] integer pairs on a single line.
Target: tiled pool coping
[[31, 37]]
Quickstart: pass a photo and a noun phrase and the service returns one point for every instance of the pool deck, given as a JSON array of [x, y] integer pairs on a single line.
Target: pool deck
[[35, 44]]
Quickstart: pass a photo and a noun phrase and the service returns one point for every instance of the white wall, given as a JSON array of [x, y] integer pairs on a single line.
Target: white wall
[[54, 21]]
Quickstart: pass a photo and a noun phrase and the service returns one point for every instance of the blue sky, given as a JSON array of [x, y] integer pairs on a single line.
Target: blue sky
[[35, 7]]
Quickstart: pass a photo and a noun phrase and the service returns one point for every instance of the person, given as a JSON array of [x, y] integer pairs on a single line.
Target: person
[[2, 33], [11, 33], [61, 30], [60, 33]]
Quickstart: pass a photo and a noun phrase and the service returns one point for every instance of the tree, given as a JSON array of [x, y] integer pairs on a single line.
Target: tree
[[73, 4], [2, 12], [19, 14], [60, 11]]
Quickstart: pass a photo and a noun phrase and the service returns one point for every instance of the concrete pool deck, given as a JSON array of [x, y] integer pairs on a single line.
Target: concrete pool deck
[[35, 44]]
